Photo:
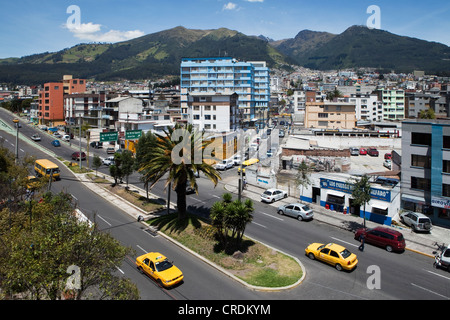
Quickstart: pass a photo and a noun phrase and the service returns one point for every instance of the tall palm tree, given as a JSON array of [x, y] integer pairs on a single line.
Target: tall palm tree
[[179, 154]]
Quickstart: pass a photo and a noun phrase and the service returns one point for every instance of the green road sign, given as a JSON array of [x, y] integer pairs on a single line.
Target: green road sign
[[133, 134], [109, 136]]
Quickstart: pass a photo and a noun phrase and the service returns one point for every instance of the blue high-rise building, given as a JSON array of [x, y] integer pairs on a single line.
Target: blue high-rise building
[[226, 75]]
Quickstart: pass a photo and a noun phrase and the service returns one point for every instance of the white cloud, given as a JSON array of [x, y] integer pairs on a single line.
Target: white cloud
[[254, 0], [91, 32], [229, 6]]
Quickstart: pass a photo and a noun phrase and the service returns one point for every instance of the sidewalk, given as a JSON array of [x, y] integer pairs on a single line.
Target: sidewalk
[[422, 243]]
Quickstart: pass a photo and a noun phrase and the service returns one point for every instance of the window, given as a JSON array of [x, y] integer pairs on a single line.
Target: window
[[420, 161], [446, 166], [420, 183], [196, 117], [421, 138], [446, 190], [323, 115], [446, 143]]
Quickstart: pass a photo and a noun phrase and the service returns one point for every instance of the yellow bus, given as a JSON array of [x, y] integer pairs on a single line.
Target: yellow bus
[[46, 168], [247, 163]]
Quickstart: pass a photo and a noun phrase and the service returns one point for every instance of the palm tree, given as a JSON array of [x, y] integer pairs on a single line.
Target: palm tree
[[179, 160]]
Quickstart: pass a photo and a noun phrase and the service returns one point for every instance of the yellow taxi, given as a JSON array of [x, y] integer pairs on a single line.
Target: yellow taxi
[[159, 268], [333, 254]]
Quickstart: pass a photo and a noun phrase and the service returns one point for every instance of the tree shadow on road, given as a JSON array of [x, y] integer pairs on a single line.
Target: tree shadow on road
[[173, 223]]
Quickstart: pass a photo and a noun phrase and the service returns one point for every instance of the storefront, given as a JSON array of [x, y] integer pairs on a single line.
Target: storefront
[[336, 195]]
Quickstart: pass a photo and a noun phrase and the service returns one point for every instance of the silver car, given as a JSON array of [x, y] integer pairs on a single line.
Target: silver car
[[296, 210], [417, 221]]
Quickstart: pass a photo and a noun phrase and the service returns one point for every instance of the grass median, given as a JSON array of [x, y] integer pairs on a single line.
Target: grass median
[[252, 262]]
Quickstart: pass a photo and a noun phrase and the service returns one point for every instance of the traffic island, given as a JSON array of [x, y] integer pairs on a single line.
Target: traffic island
[[252, 263]]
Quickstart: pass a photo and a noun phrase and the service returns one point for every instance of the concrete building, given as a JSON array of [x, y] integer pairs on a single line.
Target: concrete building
[[426, 168], [213, 112], [393, 101], [330, 115], [225, 75], [51, 99]]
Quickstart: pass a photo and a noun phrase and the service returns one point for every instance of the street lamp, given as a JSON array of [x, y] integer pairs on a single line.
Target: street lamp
[[16, 123]]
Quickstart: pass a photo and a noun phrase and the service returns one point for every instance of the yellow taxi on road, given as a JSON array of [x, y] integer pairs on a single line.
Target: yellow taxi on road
[[333, 254], [159, 268]]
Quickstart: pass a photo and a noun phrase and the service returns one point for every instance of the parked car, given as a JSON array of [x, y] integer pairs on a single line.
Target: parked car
[[225, 164], [237, 160], [388, 156], [354, 151], [157, 266], [272, 195], [110, 150], [417, 221], [391, 240], [108, 161], [373, 152], [281, 134], [296, 210], [56, 143], [66, 137], [76, 156], [57, 135], [36, 137], [334, 254], [387, 163], [362, 151]]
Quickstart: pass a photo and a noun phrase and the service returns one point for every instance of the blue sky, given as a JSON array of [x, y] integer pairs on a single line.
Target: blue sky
[[30, 27]]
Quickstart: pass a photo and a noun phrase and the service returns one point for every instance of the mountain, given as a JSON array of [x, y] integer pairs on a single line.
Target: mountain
[[159, 54], [359, 46], [152, 55]]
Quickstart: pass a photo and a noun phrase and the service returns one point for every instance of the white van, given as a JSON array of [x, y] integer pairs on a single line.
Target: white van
[[66, 137], [225, 164]]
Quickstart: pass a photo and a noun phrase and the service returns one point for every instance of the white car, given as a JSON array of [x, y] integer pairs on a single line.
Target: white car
[[272, 195], [108, 161], [36, 137], [225, 164], [237, 160]]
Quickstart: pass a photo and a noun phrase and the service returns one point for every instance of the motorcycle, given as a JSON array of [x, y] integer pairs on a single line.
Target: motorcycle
[[442, 257]]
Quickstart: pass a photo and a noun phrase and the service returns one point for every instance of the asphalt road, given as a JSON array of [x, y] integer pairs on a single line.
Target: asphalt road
[[400, 276]]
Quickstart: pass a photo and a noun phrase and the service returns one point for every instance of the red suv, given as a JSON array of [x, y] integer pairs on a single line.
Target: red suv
[[387, 238]]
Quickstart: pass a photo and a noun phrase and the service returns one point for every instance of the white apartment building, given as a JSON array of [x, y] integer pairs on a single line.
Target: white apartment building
[[368, 108], [213, 112]]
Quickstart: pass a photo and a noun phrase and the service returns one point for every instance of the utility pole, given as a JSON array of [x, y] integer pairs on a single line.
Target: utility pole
[[16, 123], [79, 132]]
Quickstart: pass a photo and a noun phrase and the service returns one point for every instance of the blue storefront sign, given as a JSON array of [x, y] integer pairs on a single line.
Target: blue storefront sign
[[378, 194]]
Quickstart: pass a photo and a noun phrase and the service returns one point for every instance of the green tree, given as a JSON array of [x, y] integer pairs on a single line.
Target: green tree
[[173, 154], [361, 194], [35, 263], [127, 163], [303, 176], [96, 163], [427, 114]]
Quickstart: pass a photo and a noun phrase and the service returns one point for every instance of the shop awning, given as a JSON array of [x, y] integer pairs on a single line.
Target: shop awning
[[381, 206], [412, 198], [335, 193]]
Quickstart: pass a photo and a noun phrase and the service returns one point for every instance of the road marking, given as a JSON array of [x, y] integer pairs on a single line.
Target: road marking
[[259, 225], [215, 196], [437, 274], [269, 215], [120, 270], [198, 200], [351, 244], [109, 224], [440, 295], [141, 248]]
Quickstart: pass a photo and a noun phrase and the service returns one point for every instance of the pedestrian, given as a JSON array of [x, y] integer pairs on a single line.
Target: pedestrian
[[245, 184], [361, 247]]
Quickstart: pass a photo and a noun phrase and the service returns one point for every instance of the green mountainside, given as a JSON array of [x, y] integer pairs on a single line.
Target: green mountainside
[[159, 54], [359, 46]]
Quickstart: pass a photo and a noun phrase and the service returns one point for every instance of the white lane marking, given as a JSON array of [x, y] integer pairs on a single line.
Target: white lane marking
[[259, 225], [269, 215], [440, 295], [437, 274], [109, 224], [120, 270], [141, 248], [350, 244]]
